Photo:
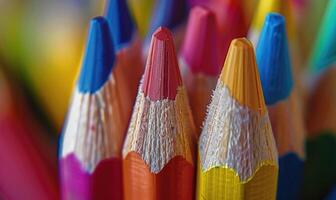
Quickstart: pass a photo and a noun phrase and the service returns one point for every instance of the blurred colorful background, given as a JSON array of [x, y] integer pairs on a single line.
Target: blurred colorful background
[[41, 44]]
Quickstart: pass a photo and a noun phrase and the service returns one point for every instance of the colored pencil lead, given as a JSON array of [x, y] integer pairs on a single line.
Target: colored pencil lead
[[273, 60]]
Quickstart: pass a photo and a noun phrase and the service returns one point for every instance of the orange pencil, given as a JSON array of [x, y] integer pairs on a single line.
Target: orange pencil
[[158, 154]]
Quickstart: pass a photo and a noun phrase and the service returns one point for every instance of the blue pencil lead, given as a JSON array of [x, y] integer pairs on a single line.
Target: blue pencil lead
[[120, 23], [168, 13], [273, 60], [99, 57]]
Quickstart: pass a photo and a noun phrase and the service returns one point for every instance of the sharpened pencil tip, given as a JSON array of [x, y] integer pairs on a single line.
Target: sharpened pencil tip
[[200, 50], [273, 60], [120, 23], [99, 57], [162, 75], [240, 75]]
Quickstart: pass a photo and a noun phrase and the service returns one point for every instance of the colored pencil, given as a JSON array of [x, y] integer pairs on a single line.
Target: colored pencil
[[249, 8], [319, 171], [324, 50], [231, 20], [266, 6], [90, 157], [238, 156], [309, 26], [27, 168], [170, 14], [159, 150], [128, 69], [142, 12], [285, 8], [276, 78], [200, 60]]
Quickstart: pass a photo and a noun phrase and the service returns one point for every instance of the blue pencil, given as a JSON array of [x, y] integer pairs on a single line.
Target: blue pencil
[[280, 96]]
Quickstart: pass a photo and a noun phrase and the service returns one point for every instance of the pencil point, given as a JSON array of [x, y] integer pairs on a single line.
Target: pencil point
[[273, 60], [240, 75], [120, 22], [201, 46], [162, 76], [168, 13], [98, 58]]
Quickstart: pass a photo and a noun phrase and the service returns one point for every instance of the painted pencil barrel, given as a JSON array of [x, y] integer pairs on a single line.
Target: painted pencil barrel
[[224, 183], [290, 176], [105, 182], [174, 181]]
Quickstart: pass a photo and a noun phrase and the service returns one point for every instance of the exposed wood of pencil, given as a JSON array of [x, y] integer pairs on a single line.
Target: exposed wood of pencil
[[90, 159], [238, 157], [158, 154]]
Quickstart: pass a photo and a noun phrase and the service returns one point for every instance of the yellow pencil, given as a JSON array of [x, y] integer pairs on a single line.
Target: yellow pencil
[[237, 152]]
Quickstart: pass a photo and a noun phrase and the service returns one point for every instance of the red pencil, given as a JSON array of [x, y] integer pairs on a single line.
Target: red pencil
[[158, 154]]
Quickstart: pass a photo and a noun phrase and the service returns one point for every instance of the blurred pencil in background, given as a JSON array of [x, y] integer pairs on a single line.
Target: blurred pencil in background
[[319, 170], [324, 50], [170, 14], [278, 87], [200, 61], [41, 44], [142, 12], [266, 6], [238, 156], [90, 160], [128, 69], [231, 22], [309, 25], [26, 153], [159, 151]]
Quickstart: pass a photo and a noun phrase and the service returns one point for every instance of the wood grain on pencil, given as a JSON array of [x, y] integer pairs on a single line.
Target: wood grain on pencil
[[158, 154]]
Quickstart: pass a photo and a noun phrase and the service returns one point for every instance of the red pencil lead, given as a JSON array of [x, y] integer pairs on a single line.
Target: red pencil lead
[[162, 76]]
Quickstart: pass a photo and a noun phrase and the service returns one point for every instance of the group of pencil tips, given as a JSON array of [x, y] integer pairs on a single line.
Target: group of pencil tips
[[184, 100]]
